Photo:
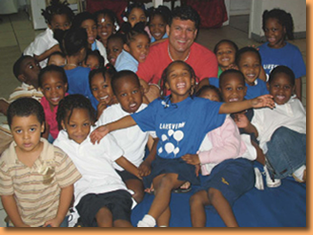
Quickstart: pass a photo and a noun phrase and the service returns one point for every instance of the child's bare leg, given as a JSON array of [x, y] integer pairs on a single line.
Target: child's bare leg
[[164, 219], [104, 218], [137, 187], [197, 211], [222, 207], [163, 186], [122, 223]]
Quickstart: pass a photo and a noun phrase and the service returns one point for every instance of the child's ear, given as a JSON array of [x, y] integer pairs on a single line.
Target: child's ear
[[22, 78], [42, 128], [167, 86], [65, 86], [126, 47], [62, 124], [167, 29]]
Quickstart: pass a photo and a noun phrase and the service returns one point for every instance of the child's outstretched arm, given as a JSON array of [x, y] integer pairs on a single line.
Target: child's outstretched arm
[[128, 166], [102, 131], [258, 102], [64, 204], [10, 207], [242, 121], [145, 166]]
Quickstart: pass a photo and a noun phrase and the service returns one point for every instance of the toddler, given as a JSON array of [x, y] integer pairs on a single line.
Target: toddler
[[87, 21], [57, 58], [101, 197], [93, 60], [53, 84], [107, 25], [282, 131], [57, 16], [129, 94], [159, 19], [248, 60], [100, 86], [36, 178], [220, 157], [180, 131], [277, 25]]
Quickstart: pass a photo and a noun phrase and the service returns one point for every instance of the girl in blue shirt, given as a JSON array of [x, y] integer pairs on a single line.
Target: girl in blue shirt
[[181, 121]]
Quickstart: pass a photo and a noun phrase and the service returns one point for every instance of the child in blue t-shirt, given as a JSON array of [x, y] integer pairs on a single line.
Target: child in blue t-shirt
[[180, 130], [248, 60], [278, 26]]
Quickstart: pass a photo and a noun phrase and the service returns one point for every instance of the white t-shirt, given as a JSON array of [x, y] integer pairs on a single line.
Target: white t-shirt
[[132, 139], [94, 162], [43, 41], [102, 51], [291, 115]]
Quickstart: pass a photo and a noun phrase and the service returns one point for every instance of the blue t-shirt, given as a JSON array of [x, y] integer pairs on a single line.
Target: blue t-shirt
[[126, 61], [289, 55], [181, 127], [258, 89]]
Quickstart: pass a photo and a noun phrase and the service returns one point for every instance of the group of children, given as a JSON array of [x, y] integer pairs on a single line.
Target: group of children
[[109, 146]]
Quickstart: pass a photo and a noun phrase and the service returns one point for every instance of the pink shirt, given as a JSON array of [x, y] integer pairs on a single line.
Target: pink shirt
[[51, 117], [201, 59], [226, 143]]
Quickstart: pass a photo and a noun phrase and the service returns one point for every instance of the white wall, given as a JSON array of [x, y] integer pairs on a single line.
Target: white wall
[[296, 8]]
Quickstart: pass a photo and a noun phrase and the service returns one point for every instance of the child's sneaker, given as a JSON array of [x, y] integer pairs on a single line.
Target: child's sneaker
[[300, 174], [259, 184], [271, 182]]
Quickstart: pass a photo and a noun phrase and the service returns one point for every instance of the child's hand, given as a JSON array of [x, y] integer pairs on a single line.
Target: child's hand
[[241, 120], [101, 106], [263, 101], [55, 222], [144, 169], [98, 134], [192, 159], [232, 66]]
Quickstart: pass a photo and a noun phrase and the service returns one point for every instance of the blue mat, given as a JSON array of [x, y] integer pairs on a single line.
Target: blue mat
[[284, 206]]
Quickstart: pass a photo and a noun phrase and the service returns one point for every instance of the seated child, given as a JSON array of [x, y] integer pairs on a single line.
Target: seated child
[[26, 70], [158, 20], [135, 50], [230, 174], [58, 15], [57, 58], [129, 94], [115, 45], [87, 21], [107, 25], [101, 197], [93, 60], [36, 178], [53, 84], [248, 60], [100, 86], [282, 131]]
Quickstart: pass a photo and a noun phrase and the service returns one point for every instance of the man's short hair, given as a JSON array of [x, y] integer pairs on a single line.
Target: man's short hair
[[186, 13]]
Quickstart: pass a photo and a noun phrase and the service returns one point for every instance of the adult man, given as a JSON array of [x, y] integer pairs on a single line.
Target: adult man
[[182, 31]]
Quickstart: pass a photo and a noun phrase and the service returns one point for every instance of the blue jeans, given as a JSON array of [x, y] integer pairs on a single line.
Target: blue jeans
[[286, 152]]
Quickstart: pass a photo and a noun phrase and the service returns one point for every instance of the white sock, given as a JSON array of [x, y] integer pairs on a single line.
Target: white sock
[[299, 172], [147, 221]]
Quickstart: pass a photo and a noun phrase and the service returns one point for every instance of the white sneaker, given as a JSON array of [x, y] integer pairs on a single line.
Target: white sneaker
[[271, 183], [259, 184]]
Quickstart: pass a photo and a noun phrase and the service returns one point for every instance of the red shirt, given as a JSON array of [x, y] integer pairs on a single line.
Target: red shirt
[[201, 59]]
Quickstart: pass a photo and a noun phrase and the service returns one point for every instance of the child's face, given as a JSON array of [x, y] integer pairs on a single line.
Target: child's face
[[105, 27], [129, 94], [114, 48], [233, 88], [53, 88], [179, 80], [250, 66], [139, 48], [92, 62], [281, 88], [274, 33], [136, 15], [210, 95], [57, 60], [29, 71], [26, 133], [157, 27], [78, 126], [91, 29], [101, 88], [225, 55], [60, 22]]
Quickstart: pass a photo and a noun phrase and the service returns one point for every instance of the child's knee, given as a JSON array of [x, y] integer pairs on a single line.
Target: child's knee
[[214, 193], [197, 198]]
